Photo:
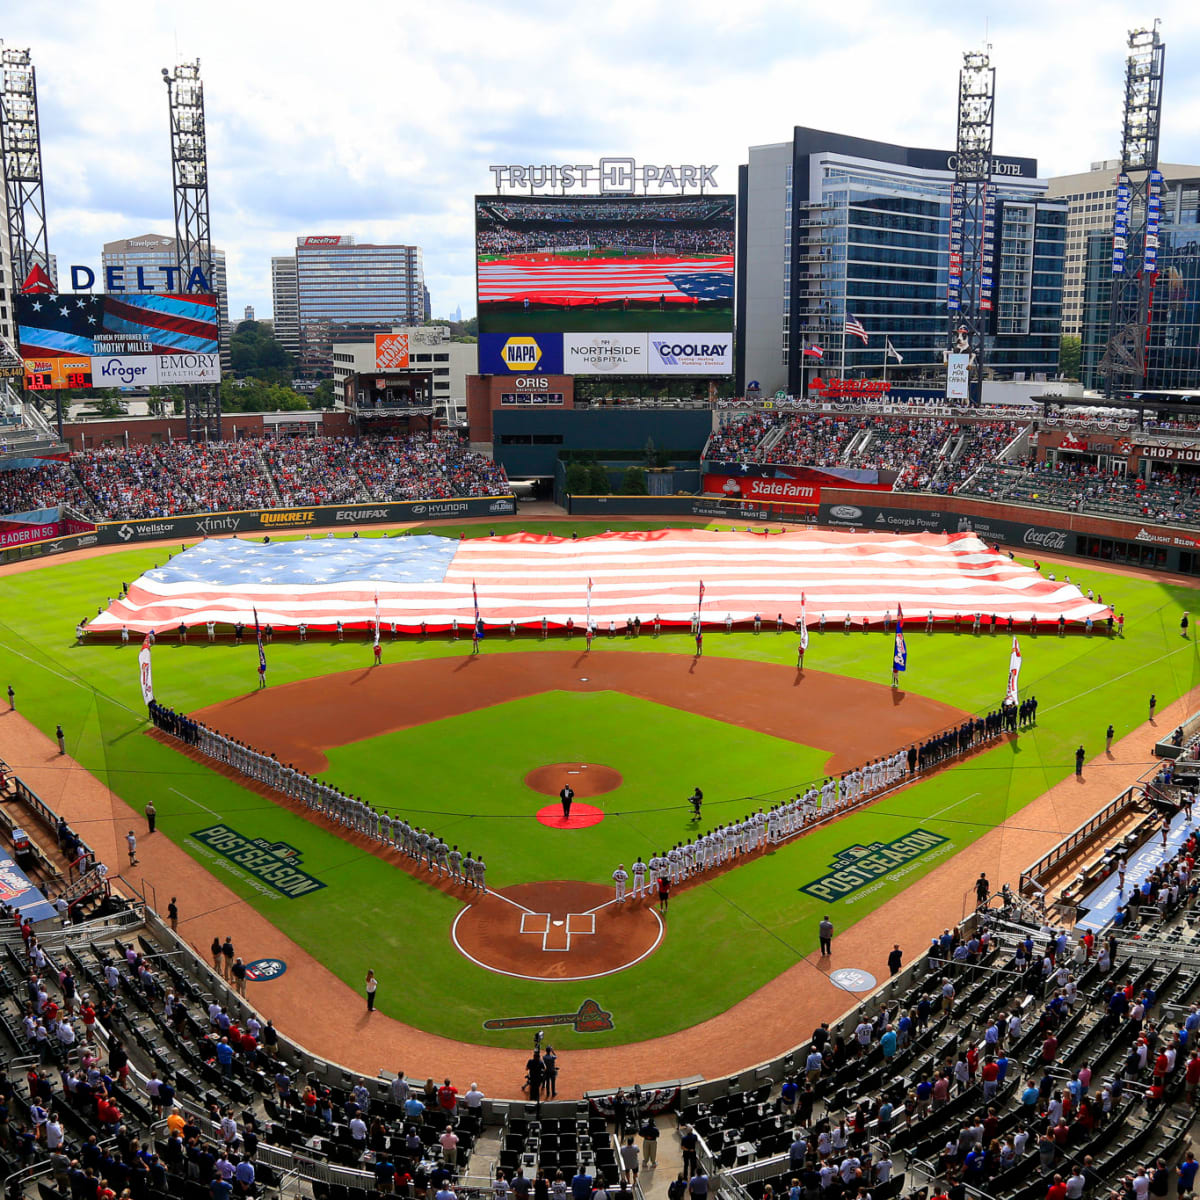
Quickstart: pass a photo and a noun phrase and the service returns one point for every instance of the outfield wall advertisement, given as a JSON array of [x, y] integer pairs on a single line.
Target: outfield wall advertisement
[[268, 520], [622, 285], [119, 340]]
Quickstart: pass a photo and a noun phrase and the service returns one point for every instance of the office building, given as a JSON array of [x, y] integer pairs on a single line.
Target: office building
[[1091, 199], [150, 254], [835, 229], [285, 303], [337, 291], [1173, 341]]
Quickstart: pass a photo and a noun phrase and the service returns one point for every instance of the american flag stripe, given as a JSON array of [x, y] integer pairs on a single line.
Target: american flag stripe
[[525, 577], [580, 280], [854, 327]]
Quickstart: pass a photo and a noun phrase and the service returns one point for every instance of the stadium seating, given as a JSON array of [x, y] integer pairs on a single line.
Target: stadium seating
[[113, 483]]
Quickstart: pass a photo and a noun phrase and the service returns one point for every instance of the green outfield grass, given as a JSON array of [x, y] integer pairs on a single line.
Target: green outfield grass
[[734, 934]]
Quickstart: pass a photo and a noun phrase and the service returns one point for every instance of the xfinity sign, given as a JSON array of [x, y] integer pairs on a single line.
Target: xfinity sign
[[615, 176]]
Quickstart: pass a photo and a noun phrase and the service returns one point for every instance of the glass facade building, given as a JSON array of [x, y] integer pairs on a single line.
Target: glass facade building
[[864, 233], [347, 292], [1173, 344]]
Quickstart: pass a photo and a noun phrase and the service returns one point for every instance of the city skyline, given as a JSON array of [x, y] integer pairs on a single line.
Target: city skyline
[[297, 147]]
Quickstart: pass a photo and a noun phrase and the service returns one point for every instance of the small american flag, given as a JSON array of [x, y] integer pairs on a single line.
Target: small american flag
[[854, 327]]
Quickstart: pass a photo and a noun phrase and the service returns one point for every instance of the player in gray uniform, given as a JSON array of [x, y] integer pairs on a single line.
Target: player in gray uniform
[[422, 840], [469, 870], [443, 858], [481, 875], [431, 851], [455, 859]]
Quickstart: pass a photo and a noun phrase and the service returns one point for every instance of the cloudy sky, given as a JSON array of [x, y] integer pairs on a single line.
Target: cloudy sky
[[380, 119]]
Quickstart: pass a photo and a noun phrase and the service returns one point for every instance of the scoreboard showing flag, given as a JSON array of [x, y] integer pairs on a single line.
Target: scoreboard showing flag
[[80, 340], [643, 277]]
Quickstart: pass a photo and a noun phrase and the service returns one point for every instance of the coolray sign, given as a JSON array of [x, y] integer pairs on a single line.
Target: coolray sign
[[753, 488], [120, 370], [188, 368], [690, 354], [604, 353], [276, 863], [856, 866], [520, 354], [610, 175]]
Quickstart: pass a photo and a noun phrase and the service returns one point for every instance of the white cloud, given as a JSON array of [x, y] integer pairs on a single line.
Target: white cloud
[[380, 120]]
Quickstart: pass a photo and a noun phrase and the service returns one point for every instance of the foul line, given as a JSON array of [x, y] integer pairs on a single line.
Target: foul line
[[196, 803]]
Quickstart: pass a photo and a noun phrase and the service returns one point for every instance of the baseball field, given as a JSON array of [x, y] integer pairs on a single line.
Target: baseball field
[[451, 741]]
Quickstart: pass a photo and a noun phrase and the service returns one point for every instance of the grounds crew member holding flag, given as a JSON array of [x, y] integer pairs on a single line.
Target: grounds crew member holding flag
[[899, 650]]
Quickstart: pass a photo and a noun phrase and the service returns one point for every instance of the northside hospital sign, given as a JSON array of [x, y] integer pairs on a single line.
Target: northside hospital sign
[[615, 176]]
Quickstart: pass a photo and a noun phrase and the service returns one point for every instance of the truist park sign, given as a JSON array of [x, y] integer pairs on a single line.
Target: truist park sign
[[610, 175]]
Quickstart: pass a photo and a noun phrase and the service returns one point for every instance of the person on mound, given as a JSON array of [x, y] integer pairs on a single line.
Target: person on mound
[[565, 797]]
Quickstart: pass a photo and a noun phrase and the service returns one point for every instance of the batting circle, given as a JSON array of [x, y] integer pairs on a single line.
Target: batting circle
[[558, 931]]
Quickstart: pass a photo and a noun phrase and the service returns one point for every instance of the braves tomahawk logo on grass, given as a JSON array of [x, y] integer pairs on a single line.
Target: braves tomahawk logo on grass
[[590, 1018], [856, 866]]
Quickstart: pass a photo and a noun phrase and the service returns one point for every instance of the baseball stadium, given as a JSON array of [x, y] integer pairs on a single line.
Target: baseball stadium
[[302, 818]]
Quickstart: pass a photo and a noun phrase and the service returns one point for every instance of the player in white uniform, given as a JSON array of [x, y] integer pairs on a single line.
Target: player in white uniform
[[620, 876], [639, 878]]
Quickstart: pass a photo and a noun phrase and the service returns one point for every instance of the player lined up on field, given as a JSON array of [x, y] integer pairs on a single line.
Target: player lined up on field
[[422, 845]]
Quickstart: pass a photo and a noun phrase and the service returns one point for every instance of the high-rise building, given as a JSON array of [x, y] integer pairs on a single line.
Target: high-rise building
[[1173, 337], [428, 303], [140, 264], [248, 315], [836, 232], [285, 303], [345, 292], [1091, 200]]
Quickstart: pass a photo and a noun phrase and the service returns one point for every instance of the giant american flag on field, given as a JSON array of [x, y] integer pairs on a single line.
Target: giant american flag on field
[[525, 577]]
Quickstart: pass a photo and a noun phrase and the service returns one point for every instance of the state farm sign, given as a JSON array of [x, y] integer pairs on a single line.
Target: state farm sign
[[746, 487]]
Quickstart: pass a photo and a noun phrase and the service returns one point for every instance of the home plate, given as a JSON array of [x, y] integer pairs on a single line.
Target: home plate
[[557, 922]]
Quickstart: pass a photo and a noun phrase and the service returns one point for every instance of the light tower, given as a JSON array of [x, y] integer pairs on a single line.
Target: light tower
[[193, 240], [21, 139], [972, 214], [1138, 210]]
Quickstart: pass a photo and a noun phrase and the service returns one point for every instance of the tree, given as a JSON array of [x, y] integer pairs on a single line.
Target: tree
[[106, 402], [598, 483], [1070, 356], [633, 483], [257, 396], [324, 396], [577, 479], [255, 354]]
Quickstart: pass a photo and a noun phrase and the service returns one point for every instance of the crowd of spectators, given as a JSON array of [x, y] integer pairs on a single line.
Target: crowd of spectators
[[1086, 488], [643, 237], [117, 483], [926, 453], [692, 208]]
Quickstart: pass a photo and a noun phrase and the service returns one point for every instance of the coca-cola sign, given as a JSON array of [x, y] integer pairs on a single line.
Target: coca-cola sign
[[1046, 539]]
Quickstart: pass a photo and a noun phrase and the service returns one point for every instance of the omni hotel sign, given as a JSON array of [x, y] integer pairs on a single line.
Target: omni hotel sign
[[612, 175]]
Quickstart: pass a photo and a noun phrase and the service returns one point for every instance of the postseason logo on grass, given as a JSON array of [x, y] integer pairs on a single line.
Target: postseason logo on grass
[[856, 866], [275, 863]]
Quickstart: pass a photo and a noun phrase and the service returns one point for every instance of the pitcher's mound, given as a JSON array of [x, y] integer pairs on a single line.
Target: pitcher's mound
[[587, 779]]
